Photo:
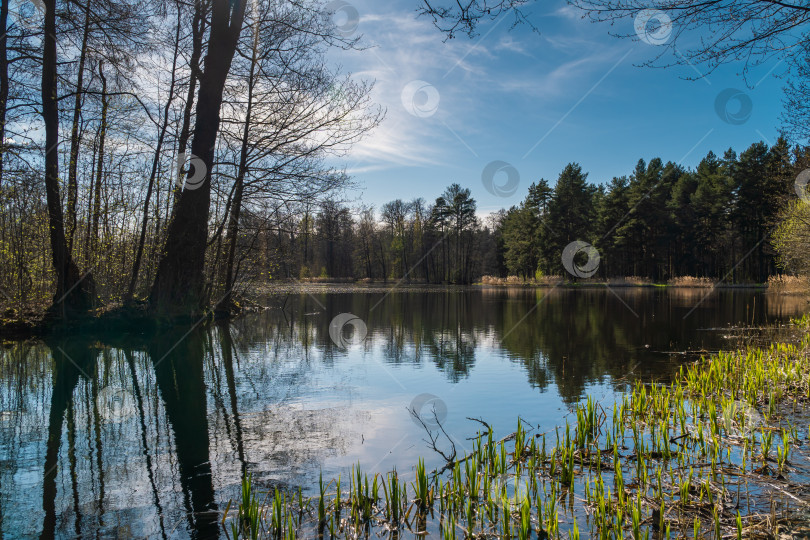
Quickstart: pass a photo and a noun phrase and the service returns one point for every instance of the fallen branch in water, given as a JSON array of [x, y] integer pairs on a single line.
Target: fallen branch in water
[[433, 439]]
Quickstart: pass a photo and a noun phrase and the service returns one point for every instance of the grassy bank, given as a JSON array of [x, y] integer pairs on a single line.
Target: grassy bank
[[721, 452], [779, 283], [21, 321]]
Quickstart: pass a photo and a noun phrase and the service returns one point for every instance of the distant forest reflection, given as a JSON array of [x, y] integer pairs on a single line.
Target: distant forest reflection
[[591, 333]]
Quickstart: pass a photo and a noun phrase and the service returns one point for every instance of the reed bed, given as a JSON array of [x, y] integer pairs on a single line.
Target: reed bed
[[789, 284], [691, 281], [541, 281], [629, 281], [720, 452]]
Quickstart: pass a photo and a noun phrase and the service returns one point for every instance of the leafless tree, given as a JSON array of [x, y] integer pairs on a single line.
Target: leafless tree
[[285, 112], [714, 32], [464, 16]]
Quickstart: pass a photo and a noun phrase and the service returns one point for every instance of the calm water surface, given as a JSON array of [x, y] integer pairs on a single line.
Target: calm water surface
[[147, 435]]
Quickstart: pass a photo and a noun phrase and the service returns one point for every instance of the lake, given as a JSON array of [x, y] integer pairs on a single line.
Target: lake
[[148, 434]]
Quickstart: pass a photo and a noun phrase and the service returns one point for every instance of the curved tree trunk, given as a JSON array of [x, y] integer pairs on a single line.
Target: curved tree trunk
[[179, 284], [102, 137], [75, 136], [73, 291], [198, 30]]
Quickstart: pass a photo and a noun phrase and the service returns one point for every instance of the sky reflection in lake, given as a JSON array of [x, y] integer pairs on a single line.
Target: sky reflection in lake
[[148, 435]]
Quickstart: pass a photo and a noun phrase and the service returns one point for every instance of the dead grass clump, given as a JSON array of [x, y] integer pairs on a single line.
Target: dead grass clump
[[789, 284], [629, 281], [512, 281], [691, 281]]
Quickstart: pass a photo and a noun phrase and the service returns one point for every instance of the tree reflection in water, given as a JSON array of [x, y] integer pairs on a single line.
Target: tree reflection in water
[[149, 435]]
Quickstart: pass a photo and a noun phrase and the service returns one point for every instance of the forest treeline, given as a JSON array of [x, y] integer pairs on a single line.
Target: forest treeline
[[172, 154], [659, 222]]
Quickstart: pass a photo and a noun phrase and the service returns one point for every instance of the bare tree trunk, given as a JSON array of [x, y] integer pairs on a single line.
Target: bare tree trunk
[[236, 206], [367, 257], [90, 206], [73, 185], [73, 292], [382, 259], [306, 239], [136, 266], [230, 242], [3, 82], [179, 283], [198, 30], [102, 136]]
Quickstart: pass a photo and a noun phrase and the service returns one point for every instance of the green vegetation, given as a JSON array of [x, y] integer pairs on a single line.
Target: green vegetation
[[709, 455], [792, 236], [661, 222]]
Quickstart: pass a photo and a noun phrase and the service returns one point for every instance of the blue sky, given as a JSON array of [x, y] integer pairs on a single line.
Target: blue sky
[[537, 102]]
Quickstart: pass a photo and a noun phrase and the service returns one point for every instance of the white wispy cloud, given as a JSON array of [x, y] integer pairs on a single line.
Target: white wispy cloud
[[471, 76], [509, 43]]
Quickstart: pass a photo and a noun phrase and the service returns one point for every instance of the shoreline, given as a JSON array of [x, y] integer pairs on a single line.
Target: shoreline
[[136, 317], [287, 287]]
